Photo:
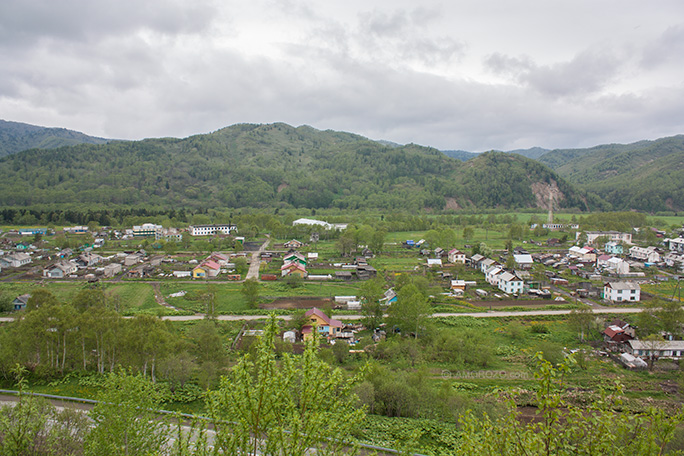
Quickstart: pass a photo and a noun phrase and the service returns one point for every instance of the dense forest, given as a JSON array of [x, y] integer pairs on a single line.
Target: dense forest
[[272, 166], [16, 136], [647, 175]]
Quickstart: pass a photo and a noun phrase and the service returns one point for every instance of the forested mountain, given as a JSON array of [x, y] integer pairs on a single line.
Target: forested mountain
[[16, 136], [462, 155], [503, 179], [274, 165], [533, 153], [647, 175]]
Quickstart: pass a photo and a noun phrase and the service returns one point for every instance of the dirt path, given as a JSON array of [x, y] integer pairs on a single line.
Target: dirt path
[[159, 297], [254, 265]]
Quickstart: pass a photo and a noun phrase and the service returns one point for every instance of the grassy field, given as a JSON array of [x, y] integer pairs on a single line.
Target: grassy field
[[129, 297]]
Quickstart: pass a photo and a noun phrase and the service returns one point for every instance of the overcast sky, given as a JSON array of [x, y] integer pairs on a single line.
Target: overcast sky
[[473, 75]]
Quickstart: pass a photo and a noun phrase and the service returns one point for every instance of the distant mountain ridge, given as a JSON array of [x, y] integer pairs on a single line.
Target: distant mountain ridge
[[16, 137], [645, 175], [250, 165], [274, 165]]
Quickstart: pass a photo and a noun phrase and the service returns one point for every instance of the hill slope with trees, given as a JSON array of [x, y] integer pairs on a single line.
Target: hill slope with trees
[[273, 165], [647, 175], [16, 136]]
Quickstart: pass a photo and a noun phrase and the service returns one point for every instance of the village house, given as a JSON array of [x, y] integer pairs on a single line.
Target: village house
[[582, 254], [523, 261], [327, 327], [295, 257], [615, 236], [112, 269], [132, 259], [458, 288], [674, 259], [434, 262], [140, 271], [456, 256], [60, 270], [613, 248], [365, 272], [622, 291], [146, 230], [617, 266], [88, 259], [510, 283], [614, 334], [676, 244], [293, 244], [295, 268], [672, 349], [211, 230], [18, 259], [206, 269], [475, 261], [168, 234], [20, 302], [492, 275], [486, 264], [645, 254]]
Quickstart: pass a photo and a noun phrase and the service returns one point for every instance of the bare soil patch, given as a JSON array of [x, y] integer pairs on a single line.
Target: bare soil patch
[[517, 303], [297, 303]]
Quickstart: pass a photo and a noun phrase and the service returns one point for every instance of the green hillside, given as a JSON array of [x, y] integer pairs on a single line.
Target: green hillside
[[647, 175], [500, 179], [15, 137], [269, 166]]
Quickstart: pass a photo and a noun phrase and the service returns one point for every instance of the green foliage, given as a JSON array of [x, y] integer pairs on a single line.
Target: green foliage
[[289, 406], [270, 166], [16, 136], [410, 312], [370, 293], [646, 175], [250, 290], [564, 429], [124, 419]]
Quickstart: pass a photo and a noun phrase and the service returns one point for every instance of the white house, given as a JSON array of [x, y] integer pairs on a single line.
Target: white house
[[510, 283], [622, 291], [18, 259], [434, 262], [146, 229], [523, 261], [456, 256], [581, 253], [618, 265], [663, 349], [486, 264], [211, 230], [615, 236], [645, 254], [676, 244], [492, 275]]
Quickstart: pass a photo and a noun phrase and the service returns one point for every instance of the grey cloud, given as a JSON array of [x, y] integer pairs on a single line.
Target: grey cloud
[[29, 22], [586, 73], [668, 48]]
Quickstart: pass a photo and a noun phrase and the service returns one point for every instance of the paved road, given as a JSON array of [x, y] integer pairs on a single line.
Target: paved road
[[490, 314]]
